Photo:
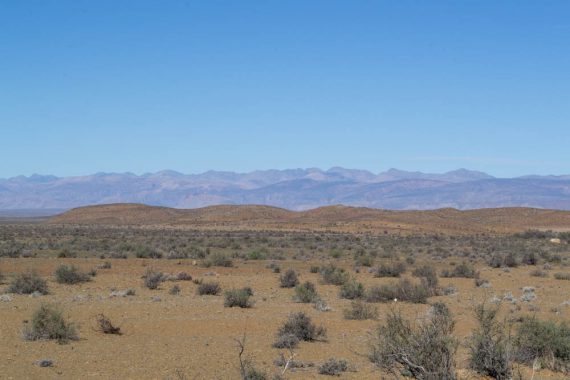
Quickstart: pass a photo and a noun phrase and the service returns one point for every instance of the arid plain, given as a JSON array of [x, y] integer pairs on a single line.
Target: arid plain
[[481, 257]]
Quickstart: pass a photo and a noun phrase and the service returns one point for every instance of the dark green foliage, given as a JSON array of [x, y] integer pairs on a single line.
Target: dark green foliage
[[425, 351], [28, 283], [48, 323]]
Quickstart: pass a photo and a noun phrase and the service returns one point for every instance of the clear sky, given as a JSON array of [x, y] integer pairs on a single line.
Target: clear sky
[[140, 86]]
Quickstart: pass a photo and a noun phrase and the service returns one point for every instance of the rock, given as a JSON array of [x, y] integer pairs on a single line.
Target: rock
[[35, 294], [45, 363], [5, 298]]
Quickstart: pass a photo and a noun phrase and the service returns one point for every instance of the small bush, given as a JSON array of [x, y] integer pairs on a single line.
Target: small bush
[[489, 345], [365, 261], [218, 259], [238, 298], [562, 276], [394, 270], [463, 270], [152, 278], [538, 273], [105, 326], [352, 290], [314, 269], [333, 275], [48, 323], [65, 274], [209, 288], [300, 326], [288, 341], [404, 291], [183, 276], [333, 367], [175, 290], [306, 293], [105, 265], [360, 310], [428, 278], [146, 252], [546, 341], [289, 279], [425, 351], [256, 255], [28, 283]]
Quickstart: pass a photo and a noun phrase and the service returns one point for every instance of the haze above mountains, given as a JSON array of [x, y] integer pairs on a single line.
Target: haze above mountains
[[294, 189]]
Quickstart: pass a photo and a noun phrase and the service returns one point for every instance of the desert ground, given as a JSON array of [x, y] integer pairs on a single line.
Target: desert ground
[[192, 336]]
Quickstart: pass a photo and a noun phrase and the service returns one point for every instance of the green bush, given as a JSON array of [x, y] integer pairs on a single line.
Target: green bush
[[70, 274], [333, 275], [425, 351], [48, 323], [306, 293], [238, 298], [547, 341], [404, 291], [28, 283], [352, 290]]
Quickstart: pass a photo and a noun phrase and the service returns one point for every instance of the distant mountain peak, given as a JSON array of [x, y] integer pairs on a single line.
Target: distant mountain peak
[[294, 189]]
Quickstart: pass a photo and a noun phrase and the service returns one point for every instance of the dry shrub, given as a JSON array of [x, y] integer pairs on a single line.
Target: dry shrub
[[489, 346], [360, 310], [425, 351], [28, 283], [105, 326], [70, 274], [48, 323], [209, 288], [298, 327], [289, 279]]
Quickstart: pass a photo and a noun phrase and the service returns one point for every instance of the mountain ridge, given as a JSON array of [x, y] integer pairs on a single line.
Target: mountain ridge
[[293, 189]]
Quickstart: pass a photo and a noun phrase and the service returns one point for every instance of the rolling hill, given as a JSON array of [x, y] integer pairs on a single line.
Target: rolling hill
[[329, 218]]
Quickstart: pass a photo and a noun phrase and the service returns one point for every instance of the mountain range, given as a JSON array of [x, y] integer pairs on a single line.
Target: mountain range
[[293, 189]]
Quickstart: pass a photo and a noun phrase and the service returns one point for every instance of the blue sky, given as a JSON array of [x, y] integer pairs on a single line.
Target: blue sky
[[89, 86]]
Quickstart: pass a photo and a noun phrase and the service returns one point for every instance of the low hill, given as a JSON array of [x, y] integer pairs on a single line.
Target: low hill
[[329, 218]]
